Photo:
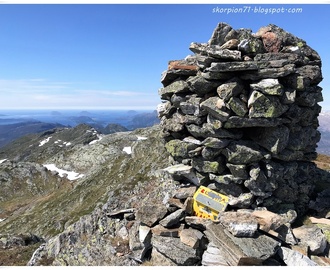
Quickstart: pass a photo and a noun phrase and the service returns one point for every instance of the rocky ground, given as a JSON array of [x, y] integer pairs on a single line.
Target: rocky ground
[[128, 210]]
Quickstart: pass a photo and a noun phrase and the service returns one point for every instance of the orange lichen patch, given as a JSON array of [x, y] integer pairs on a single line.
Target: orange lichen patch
[[178, 64]]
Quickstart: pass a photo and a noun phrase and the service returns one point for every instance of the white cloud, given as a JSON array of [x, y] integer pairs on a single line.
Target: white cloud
[[42, 93]]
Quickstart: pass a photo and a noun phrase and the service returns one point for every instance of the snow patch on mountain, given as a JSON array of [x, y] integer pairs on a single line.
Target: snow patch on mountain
[[45, 141], [70, 175], [128, 150], [62, 143], [95, 141]]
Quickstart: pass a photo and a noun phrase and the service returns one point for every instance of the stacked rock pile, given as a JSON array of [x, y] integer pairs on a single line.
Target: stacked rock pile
[[240, 116]]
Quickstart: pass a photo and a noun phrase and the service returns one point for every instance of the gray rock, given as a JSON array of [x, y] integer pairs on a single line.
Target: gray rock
[[290, 58], [231, 88], [240, 122], [213, 122], [191, 237], [226, 179], [312, 73], [259, 184], [173, 124], [173, 218], [242, 152], [308, 99], [269, 73], [216, 76], [160, 259], [211, 154], [229, 190], [139, 240], [243, 200], [175, 87], [197, 222], [169, 76], [241, 250], [268, 86], [205, 166], [191, 106], [312, 237], [206, 131], [220, 33], [213, 256], [296, 81], [185, 192], [294, 258], [215, 51], [210, 105], [178, 148], [286, 234], [289, 96], [145, 235], [238, 106], [191, 139], [239, 224], [163, 109], [176, 251], [250, 45], [322, 202], [181, 170], [238, 170], [274, 139], [150, 213], [261, 105], [215, 143], [162, 231], [232, 66], [304, 139], [200, 85]]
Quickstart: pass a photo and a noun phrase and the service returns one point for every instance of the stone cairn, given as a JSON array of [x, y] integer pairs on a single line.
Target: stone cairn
[[240, 117]]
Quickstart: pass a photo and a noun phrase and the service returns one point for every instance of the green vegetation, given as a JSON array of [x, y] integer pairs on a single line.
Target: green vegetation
[[17, 256]]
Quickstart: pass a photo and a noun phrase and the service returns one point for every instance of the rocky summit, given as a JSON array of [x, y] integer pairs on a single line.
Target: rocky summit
[[238, 118]]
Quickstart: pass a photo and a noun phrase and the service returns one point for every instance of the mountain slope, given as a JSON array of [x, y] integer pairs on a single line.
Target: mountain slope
[[106, 167], [11, 132]]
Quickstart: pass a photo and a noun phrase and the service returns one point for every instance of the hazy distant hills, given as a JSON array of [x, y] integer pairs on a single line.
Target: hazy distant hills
[[11, 128], [324, 128], [129, 121], [11, 132]]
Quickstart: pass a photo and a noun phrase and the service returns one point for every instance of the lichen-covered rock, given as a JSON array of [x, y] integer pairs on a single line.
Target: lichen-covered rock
[[210, 105], [242, 152], [261, 105], [268, 86]]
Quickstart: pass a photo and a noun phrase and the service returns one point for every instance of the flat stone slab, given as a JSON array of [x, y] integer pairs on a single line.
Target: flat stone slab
[[241, 250], [176, 251]]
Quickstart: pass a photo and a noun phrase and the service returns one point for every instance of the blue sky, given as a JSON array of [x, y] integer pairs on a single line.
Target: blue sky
[[110, 56]]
